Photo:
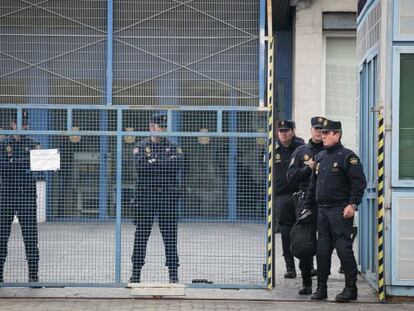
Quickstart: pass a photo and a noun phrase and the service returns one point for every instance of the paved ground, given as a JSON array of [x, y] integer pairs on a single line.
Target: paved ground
[[183, 305], [240, 241]]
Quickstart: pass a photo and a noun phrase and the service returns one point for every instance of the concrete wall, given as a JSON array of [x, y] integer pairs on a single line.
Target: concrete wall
[[308, 60]]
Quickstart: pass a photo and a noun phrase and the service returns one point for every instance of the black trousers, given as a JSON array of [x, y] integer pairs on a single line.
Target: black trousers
[[149, 206], [334, 231], [285, 209], [22, 203]]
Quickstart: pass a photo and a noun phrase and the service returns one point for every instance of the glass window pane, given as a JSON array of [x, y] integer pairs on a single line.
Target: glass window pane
[[340, 86], [406, 151]]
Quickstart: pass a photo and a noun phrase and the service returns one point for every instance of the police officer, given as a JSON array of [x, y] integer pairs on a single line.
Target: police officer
[[337, 187], [284, 214], [18, 198], [299, 172], [157, 164]]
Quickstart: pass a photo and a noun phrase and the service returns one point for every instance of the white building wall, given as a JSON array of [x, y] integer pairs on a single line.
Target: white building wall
[[308, 61]]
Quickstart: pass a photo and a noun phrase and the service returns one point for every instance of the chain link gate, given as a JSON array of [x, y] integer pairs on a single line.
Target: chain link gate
[[87, 78], [86, 210]]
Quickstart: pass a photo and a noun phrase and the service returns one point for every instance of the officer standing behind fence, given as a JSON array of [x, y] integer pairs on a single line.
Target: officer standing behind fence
[[18, 197], [299, 172], [337, 187], [284, 213], [157, 164]]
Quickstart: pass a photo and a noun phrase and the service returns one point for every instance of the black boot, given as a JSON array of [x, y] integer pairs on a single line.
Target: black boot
[[290, 268], [33, 273], [350, 291], [322, 289], [173, 274], [307, 285], [136, 274]]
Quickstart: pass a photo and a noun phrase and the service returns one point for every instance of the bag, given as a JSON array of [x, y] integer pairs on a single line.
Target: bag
[[303, 238]]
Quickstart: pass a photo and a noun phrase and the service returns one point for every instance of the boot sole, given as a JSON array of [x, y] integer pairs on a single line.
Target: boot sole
[[345, 300]]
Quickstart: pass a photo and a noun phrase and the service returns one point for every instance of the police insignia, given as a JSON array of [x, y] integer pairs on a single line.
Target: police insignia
[[325, 122], [148, 150], [335, 164], [353, 161], [306, 157], [8, 149], [277, 156], [135, 151], [179, 150], [320, 119]]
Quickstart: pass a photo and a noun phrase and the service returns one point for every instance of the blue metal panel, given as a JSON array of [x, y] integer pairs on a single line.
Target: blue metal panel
[[118, 198], [395, 23], [367, 9], [397, 193], [283, 74], [262, 54], [232, 162]]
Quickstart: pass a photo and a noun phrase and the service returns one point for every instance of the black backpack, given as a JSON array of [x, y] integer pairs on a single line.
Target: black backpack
[[303, 238]]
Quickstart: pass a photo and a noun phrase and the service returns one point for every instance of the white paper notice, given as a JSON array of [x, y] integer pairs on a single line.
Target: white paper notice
[[45, 160]]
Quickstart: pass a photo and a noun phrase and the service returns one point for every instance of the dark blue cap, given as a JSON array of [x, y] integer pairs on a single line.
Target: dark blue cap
[[159, 119], [317, 122], [329, 125], [286, 124]]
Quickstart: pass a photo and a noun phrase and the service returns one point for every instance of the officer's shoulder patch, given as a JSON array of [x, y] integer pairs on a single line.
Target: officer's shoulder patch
[[179, 150], [135, 150], [306, 157], [8, 149], [277, 156], [353, 160], [148, 150]]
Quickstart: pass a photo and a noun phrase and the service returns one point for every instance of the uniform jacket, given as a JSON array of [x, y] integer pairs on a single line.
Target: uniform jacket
[[338, 179], [281, 162], [299, 173]]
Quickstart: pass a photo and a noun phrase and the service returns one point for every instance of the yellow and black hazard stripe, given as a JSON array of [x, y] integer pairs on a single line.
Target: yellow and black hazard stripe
[[270, 242], [380, 210]]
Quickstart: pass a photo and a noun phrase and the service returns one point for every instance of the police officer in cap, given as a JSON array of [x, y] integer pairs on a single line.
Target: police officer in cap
[[299, 172], [336, 187], [18, 197], [284, 214], [157, 163]]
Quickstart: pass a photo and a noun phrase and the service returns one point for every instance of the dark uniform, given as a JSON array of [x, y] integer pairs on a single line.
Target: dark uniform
[[338, 181], [284, 212], [299, 174], [18, 197], [157, 167]]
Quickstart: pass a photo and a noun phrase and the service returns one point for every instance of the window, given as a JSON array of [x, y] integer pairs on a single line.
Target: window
[[340, 85], [406, 125]]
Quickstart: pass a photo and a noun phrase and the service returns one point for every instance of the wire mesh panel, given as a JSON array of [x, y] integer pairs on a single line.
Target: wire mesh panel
[[180, 52], [197, 203], [52, 51]]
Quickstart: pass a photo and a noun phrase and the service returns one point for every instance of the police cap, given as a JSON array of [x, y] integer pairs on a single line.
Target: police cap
[[286, 124], [329, 125], [317, 122], [159, 119]]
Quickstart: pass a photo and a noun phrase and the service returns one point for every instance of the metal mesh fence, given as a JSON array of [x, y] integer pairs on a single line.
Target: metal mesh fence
[[195, 201], [163, 52]]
